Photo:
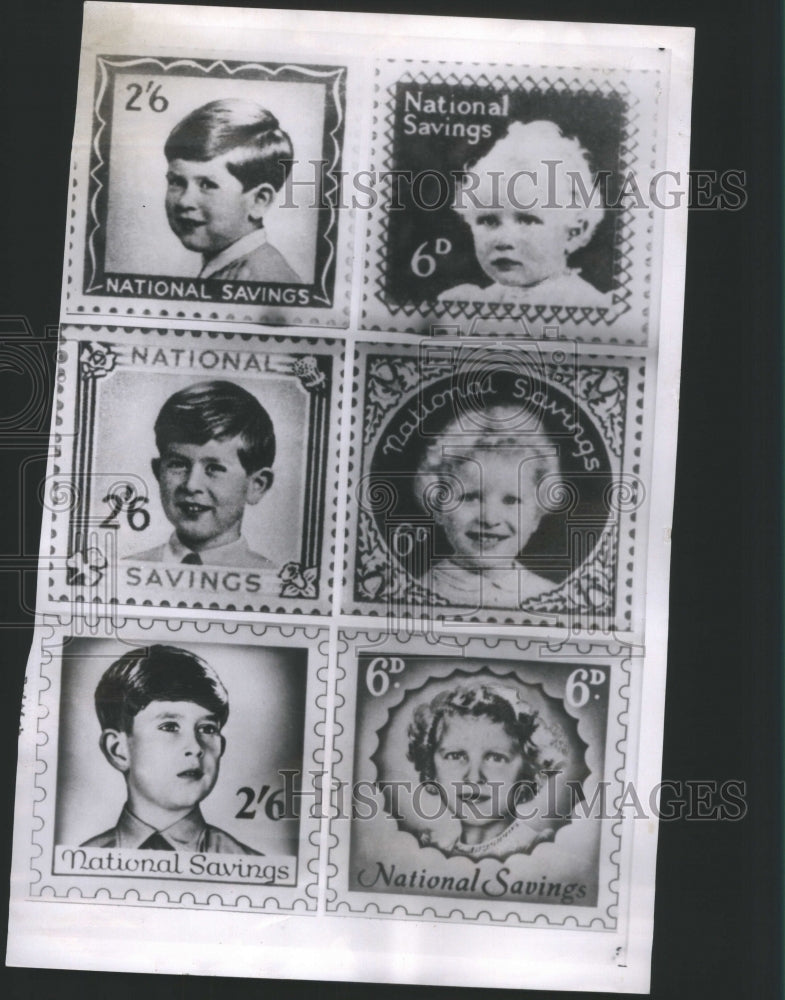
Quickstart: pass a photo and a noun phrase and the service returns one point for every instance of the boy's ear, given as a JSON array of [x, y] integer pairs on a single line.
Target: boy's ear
[[114, 746], [263, 197], [156, 467], [259, 483]]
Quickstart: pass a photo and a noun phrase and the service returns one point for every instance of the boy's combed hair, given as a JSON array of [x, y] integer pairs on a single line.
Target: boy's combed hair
[[218, 409], [262, 152], [157, 673]]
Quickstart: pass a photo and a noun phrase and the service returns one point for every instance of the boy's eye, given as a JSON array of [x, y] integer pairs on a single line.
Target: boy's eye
[[175, 182], [511, 500], [489, 220], [471, 496], [175, 463], [205, 184], [215, 468]]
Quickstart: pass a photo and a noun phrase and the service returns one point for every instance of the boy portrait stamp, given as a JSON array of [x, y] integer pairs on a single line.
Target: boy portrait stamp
[[174, 763], [472, 769], [495, 484], [212, 191], [517, 196], [194, 471]]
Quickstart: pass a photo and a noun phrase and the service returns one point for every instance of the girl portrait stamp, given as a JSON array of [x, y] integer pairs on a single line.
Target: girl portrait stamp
[[210, 188], [496, 484], [472, 766], [169, 761], [194, 471], [516, 197]]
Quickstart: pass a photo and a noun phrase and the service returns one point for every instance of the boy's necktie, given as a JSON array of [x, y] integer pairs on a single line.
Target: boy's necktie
[[192, 559], [155, 842]]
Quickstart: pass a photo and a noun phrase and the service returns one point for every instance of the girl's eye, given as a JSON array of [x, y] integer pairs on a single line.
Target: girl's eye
[[454, 755], [471, 496], [524, 219], [510, 500], [209, 729], [498, 758], [169, 727], [489, 221]]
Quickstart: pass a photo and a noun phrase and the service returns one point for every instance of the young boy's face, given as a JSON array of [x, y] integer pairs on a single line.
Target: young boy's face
[[498, 513], [204, 489], [173, 754], [206, 206]]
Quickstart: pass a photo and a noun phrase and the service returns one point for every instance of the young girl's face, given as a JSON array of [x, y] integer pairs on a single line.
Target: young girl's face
[[499, 511], [476, 765], [523, 247]]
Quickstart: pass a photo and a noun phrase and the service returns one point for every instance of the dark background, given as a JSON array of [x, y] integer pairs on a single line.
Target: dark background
[[595, 120], [718, 916]]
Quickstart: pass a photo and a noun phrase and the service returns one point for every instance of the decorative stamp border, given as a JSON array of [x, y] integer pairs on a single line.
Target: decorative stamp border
[[51, 753], [93, 513], [599, 396], [95, 290], [631, 316], [458, 658]]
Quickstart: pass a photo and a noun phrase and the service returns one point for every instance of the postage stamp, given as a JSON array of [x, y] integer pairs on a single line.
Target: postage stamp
[[168, 761], [515, 194], [193, 470], [495, 483], [484, 780], [209, 189]]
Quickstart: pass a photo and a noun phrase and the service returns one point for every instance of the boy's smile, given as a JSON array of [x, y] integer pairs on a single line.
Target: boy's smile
[[498, 513], [204, 490], [206, 206], [173, 751]]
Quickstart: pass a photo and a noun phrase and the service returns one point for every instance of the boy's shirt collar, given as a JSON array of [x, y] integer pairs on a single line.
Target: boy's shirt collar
[[185, 835], [233, 554], [245, 245]]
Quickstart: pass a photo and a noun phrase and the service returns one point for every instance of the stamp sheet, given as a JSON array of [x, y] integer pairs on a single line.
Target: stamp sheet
[[352, 598]]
